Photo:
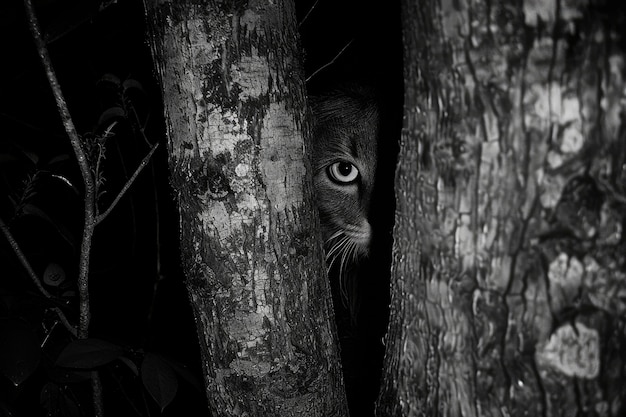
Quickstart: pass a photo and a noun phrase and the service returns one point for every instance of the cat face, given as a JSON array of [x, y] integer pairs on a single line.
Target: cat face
[[344, 167]]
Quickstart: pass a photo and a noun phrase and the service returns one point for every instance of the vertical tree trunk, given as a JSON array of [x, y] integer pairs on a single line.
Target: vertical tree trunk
[[235, 105], [509, 267]]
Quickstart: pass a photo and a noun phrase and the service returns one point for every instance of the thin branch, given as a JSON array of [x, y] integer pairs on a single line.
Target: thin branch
[[308, 13], [96, 388], [22, 258], [128, 184], [331, 62], [65, 321], [90, 199], [81, 157], [33, 276]]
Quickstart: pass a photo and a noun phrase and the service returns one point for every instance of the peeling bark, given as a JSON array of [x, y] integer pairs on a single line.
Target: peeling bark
[[234, 106], [508, 277]]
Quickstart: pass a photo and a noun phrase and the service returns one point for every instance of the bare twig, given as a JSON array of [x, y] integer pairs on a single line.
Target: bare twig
[[128, 184], [65, 321], [90, 195], [22, 258], [308, 13], [81, 157], [329, 63], [31, 273], [96, 388]]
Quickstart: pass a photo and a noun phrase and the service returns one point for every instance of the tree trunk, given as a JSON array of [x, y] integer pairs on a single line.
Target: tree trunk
[[235, 112], [509, 284]]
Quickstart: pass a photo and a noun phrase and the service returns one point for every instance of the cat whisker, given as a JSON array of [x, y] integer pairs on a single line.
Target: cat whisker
[[337, 245], [342, 263], [332, 262], [342, 276], [354, 252], [336, 250], [335, 235], [345, 285]]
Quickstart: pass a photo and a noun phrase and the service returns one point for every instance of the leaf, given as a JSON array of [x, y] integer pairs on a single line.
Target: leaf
[[65, 181], [19, 350], [49, 395], [33, 157], [58, 159], [111, 113], [159, 379], [132, 83], [54, 275], [110, 78], [88, 354], [130, 364], [183, 372]]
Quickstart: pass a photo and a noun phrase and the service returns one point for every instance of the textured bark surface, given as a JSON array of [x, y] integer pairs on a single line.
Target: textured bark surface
[[509, 269], [234, 105]]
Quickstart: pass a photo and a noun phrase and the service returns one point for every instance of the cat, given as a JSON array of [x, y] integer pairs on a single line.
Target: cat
[[344, 154]]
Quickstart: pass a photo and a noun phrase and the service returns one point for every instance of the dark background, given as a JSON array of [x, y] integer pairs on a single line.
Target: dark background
[[138, 296]]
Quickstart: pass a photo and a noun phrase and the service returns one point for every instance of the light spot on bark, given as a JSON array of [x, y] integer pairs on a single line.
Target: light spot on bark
[[464, 239], [536, 11], [547, 101], [454, 18], [571, 140], [246, 328], [203, 51], [282, 158], [500, 272], [248, 203], [253, 75], [613, 97], [221, 132], [565, 271], [572, 351], [566, 276], [216, 218], [241, 170], [610, 232], [554, 159], [605, 287], [552, 188], [571, 9], [250, 20], [570, 109], [255, 369], [616, 65]]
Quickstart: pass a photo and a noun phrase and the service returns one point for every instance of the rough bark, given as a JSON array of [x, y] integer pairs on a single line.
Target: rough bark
[[234, 106], [509, 268]]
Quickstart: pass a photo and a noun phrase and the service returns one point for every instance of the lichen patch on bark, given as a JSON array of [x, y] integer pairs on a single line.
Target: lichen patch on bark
[[284, 186], [573, 349]]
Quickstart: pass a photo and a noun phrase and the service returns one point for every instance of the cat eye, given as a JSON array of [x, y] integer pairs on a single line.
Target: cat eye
[[343, 172]]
